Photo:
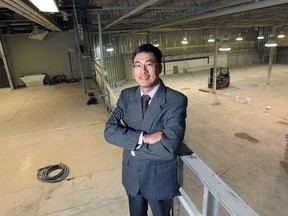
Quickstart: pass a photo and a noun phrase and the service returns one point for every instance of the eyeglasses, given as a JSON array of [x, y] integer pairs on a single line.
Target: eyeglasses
[[148, 65]]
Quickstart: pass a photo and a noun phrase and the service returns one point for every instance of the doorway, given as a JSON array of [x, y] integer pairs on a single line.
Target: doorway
[[4, 83], [282, 55]]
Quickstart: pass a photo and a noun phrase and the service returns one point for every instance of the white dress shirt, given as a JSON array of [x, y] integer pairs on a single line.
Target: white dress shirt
[[140, 140]]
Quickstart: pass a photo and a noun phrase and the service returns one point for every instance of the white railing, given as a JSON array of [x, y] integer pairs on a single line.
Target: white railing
[[216, 191], [106, 91]]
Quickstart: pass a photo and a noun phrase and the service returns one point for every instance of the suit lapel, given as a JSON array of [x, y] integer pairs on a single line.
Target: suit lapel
[[135, 106]]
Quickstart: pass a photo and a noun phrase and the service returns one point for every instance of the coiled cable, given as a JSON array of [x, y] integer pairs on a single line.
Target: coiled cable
[[43, 174]]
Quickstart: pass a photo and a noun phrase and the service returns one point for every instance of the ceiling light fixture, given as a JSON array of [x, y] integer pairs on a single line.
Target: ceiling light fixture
[[155, 43], [211, 39], [239, 38], [184, 41], [46, 5], [260, 36], [271, 41], [281, 34], [225, 45], [109, 48]]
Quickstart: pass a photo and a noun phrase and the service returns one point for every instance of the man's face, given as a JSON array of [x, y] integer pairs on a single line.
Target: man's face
[[146, 71]]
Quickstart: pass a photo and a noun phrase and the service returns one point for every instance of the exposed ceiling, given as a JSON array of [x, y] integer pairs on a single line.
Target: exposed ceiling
[[131, 16]]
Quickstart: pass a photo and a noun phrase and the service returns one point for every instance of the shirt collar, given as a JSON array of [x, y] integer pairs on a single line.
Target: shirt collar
[[153, 92]]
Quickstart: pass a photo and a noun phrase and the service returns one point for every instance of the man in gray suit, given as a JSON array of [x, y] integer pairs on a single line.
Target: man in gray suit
[[151, 139]]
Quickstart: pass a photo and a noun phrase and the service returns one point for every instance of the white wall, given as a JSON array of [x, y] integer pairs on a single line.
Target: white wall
[[194, 65], [239, 59], [223, 60], [29, 56]]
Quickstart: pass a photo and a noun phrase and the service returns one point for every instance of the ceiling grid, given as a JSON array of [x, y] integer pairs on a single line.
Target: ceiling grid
[[120, 17]]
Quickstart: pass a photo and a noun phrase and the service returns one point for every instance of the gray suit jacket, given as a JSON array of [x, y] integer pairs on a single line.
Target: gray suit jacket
[[154, 168]]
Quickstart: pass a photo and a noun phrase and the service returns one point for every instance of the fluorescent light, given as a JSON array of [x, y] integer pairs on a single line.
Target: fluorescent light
[[109, 48], [271, 42], [239, 38], [225, 46], [184, 41], [281, 35], [155, 43], [46, 5], [211, 39], [260, 36]]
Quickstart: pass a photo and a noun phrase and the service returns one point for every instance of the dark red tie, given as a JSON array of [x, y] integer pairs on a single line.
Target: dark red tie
[[145, 103]]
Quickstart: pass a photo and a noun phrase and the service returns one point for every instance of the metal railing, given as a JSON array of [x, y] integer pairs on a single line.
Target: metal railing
[[216, 191], [105, 89]]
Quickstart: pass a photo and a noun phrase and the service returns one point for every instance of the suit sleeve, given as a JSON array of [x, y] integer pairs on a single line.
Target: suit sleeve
[[116, 134], [174, 126]]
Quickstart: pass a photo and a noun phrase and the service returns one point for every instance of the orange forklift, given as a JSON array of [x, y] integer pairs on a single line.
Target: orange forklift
[[223, 78]]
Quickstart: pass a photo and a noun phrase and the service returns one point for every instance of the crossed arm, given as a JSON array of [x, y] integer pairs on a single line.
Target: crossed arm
[[147, 138], [158, 144]]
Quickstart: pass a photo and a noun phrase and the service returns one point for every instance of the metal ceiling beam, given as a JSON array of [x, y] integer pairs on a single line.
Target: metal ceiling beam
[[109, 8], [141, 7], [238, 9]]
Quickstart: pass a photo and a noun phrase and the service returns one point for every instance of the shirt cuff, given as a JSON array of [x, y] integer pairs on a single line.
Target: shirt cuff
[[140, 141]]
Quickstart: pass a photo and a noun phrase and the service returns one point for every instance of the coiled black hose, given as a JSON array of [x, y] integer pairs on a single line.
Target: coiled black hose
[[43, 173]]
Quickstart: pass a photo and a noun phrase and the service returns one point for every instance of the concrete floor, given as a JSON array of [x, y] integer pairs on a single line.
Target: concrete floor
[[46, 125]]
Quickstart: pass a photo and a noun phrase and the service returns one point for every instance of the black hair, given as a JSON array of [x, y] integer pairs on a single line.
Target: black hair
[[149, 48]]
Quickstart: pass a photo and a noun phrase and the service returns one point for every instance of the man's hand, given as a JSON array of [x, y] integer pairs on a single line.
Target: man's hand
[[152, 138]]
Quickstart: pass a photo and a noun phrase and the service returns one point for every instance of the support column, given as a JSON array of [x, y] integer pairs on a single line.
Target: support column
[[2, 52], [215, 58], [76, 30], [271, 58], [101, 43]]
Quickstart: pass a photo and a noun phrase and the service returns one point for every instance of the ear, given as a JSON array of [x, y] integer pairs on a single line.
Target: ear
[[160, 68]]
